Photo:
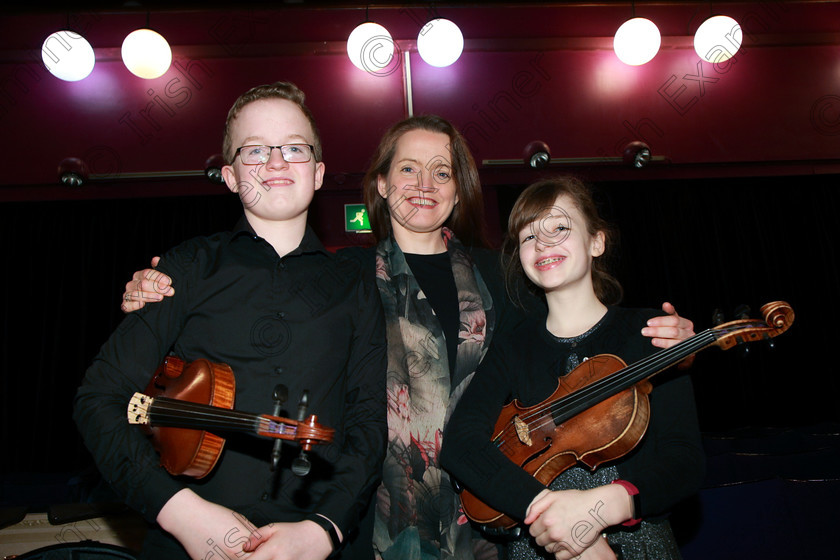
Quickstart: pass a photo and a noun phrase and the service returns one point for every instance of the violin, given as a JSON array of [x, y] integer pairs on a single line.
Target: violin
[[600, 410], [183, 403]]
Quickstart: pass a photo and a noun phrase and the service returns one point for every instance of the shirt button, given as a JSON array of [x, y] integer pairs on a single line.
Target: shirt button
[[264, 497], [281, 314], [278, 370]]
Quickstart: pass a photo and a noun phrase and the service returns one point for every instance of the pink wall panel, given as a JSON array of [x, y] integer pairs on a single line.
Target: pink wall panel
[[121, 124], [536, 72], [764, 106]]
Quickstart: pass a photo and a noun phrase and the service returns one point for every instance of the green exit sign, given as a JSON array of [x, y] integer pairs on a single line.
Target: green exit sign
[[356, 218]]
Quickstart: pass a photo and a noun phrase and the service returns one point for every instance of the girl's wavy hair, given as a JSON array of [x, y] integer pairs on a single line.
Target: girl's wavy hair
[[467, 218], [531, 206]]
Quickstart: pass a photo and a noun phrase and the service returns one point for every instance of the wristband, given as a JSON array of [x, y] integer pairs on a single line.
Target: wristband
[[634, 493], [327, 526]]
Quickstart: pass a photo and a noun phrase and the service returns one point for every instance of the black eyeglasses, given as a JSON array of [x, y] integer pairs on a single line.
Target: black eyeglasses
[[259, 155]]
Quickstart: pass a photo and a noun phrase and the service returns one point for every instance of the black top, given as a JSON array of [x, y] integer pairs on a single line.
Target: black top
[[667, 466], [306, 320], [434, 275]]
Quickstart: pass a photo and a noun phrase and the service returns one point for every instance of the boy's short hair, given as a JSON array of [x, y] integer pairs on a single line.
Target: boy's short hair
[[277, 90]]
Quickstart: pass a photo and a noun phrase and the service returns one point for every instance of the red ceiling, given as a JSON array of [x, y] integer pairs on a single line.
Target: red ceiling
[[530, 72]]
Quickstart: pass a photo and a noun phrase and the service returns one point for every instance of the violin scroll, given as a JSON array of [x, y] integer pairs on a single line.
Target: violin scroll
[[310, 433], [778, 317], [778, 314]]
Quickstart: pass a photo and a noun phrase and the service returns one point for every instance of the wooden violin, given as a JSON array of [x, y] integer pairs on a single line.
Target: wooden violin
[[600, 410], [183, 403]]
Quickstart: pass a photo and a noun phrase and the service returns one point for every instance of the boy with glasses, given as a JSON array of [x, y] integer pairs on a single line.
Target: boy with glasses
[[270, 301]]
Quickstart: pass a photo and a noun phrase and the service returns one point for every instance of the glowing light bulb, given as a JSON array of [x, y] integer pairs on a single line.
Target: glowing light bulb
[[637, 41], [68, 56], [440, 42], [146, 54], [370, 48], [718, 39]]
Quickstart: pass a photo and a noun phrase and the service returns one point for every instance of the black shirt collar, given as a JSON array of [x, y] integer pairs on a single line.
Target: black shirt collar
[[309, 244]]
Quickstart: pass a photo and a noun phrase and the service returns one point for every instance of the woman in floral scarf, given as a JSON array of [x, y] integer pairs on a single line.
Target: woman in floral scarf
[[443, 296]]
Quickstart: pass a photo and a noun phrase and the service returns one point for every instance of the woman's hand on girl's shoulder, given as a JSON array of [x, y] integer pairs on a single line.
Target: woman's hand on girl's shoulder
[[670, 329]]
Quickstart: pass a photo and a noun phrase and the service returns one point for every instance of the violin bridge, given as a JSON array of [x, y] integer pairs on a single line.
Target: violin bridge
[[522, 430], [138, 408]]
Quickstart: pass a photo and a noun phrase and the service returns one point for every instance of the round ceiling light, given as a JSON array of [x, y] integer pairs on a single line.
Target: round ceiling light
[[718, 39], [440, 42], [370, 47], [68, 56], [637, 41], [146, 54]]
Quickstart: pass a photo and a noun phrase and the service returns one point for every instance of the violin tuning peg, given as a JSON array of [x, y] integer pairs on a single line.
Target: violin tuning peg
[[301, 465], [281, 393], [771, 344], [742, 311], [304, 402], [717, 317]]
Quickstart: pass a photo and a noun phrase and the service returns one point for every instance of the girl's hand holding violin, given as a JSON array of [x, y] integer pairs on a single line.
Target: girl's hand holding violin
[[569, 523]]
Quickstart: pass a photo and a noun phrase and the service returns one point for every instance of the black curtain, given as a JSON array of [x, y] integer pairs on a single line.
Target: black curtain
[[65, 268]]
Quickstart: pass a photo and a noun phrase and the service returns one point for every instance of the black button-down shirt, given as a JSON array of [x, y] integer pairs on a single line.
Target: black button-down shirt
[[306, 320]]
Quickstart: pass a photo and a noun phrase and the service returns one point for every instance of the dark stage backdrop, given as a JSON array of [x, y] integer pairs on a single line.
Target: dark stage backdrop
[[701, 244]]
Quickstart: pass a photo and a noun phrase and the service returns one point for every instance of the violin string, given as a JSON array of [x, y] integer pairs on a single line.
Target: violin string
[[181, 421], [200, 410], [168, 411], [192, 415], [604, 386], [581, 400]]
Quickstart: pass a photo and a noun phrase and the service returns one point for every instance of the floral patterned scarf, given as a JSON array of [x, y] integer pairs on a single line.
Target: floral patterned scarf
[[418, 513]]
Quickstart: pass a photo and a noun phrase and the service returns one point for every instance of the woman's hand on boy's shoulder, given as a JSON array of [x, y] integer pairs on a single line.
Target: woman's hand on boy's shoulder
[[147, 285]]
